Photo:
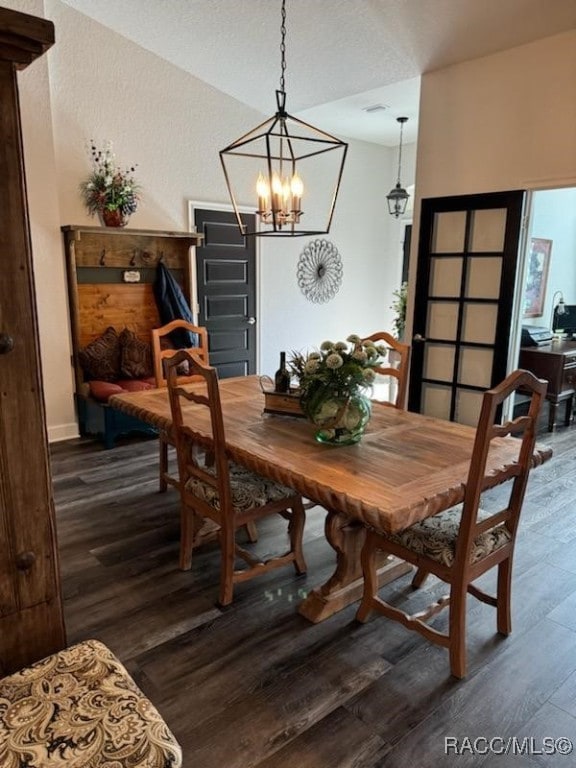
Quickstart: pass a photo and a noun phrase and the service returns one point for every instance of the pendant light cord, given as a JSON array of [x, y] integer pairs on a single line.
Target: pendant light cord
[[400, 152], [283, 47]]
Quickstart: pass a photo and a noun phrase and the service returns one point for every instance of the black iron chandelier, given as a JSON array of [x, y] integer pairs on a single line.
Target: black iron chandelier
[[398, 197], [291, 170]]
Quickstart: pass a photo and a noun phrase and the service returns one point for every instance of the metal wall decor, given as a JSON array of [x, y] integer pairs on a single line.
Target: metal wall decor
[[320, 271]]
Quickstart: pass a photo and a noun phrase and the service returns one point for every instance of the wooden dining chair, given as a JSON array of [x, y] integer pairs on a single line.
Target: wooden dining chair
[[213, 487], [162, 350], [462, 543], [396, 371]]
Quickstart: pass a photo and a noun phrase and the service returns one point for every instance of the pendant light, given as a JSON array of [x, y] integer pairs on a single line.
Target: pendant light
[[287, 169], [398, 197]]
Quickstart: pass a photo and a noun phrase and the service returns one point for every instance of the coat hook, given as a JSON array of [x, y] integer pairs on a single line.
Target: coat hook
[[133, 259], [103, 258]]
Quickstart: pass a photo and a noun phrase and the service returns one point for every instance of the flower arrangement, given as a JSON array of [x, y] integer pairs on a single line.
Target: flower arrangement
[[332, 383], [109, 187], [399, 306]]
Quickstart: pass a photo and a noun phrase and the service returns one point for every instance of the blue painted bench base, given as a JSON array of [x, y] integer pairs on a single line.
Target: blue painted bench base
[[97, 419]]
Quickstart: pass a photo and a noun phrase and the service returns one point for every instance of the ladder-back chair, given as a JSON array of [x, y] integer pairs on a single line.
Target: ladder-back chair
[[162, 350], [398, 356], [211, 486], [462, 543]]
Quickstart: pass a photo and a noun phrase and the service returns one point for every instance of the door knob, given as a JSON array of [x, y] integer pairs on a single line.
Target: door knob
[[6, 343], [251, 321], [418, 337]]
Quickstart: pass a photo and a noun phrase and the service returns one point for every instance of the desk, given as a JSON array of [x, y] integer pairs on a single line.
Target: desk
[[555, 362], [406, 468]]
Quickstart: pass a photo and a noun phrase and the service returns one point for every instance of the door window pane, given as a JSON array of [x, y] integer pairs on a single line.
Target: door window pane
[[468, 405], [479, 323], [449, 231], [488, 229], [475, 367], [483, 277], [445, 276], [436, 401], [439, 362], [442, 320]]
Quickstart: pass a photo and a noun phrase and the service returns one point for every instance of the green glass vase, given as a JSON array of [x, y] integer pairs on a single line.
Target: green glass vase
[[341, 419]]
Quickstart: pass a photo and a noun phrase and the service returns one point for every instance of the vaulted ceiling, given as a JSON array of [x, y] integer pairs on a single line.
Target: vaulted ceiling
[[343, 56]]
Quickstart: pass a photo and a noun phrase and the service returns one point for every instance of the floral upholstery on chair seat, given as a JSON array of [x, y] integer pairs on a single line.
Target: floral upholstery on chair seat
[[436, 537], [80, 708], [248, 489]]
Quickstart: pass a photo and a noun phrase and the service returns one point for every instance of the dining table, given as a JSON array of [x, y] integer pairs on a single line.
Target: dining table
[[407, 467]]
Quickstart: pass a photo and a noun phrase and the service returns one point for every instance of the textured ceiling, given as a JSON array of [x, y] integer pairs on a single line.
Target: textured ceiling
[[342, 55]]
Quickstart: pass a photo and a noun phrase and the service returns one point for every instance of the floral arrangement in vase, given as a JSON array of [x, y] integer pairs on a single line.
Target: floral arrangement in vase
[[110, 191], [333, 383]]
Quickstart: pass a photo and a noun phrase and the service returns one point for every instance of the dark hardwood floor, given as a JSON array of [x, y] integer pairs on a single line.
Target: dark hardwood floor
[[257, 685]]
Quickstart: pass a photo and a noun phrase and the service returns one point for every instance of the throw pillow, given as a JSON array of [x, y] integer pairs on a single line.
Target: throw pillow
[[183, 369], [101, 358], [136, 356]]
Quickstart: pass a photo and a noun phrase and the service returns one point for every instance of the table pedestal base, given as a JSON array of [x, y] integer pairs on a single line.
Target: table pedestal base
[[345, 586]]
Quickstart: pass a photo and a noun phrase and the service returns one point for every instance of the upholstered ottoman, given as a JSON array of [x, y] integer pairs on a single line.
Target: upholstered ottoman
[[80, 708]]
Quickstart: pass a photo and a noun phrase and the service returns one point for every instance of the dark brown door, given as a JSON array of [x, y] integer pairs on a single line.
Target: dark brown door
[[226, 289], [468, 253]]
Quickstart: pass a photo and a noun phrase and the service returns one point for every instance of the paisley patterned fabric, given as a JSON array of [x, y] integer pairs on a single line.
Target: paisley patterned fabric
[[248, 489], [101, 358], [436, 537], [135, 356], [80, 708]]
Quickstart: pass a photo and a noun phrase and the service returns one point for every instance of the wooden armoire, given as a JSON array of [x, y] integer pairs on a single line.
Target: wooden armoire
[[31, 620]]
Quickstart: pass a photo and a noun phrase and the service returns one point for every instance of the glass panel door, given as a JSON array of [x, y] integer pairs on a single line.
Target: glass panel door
[[465, 284]]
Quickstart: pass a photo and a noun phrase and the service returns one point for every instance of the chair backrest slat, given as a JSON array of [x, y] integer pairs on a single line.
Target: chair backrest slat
[[398, 370], [161, 355]]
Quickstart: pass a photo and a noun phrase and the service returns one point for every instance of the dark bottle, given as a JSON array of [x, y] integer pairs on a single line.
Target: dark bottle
[[282, 377]]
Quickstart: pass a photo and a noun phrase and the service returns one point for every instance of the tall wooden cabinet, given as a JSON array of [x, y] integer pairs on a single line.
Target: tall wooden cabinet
[[31, 621]]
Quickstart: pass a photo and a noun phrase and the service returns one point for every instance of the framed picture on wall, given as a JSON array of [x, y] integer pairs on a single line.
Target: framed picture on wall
[[538, 264]]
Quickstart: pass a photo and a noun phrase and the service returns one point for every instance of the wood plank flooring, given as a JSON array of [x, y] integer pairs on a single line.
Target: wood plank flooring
[[257, 685]]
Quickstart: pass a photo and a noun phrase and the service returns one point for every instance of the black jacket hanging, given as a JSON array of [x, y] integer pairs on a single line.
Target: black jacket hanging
[[172, 305]]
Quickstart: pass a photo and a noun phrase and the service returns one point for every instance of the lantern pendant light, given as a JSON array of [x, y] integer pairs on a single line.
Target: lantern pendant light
[[398, 197], [286, 169]]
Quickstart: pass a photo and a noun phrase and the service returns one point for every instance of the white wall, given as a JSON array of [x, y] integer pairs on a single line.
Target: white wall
[[554, 218], [94, 84]]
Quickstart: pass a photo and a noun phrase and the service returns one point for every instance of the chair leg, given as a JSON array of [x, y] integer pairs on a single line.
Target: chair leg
[[457, 631], [419, 578], [227, 557], [186, 537], [296, 532], [368, 558], [163, 485], [503, 607]]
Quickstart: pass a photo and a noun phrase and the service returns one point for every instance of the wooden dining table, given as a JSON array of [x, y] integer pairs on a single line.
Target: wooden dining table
[[406, 468]]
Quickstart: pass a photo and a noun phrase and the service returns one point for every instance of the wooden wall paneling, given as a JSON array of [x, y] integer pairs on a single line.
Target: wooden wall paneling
[[31, 620]]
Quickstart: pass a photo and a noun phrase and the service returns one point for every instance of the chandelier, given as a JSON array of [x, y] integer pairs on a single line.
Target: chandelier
[[398, 197], [290, 170]]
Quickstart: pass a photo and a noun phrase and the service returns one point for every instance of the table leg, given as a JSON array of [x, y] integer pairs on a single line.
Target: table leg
[[346, 537]]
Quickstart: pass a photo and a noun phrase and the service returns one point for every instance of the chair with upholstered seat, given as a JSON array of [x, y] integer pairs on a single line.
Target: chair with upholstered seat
[[395, 374], [80, 707], [461, 544], [213, 487], [163, 348]]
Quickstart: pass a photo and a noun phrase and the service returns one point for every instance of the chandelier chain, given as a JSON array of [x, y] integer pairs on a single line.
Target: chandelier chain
[[400, 152], [283, 47]]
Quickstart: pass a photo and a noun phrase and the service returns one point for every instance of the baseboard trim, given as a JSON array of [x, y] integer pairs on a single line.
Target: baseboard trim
[[62, 432]]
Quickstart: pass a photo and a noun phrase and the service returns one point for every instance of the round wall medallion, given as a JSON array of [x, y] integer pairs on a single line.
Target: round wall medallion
[[319, 271]]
